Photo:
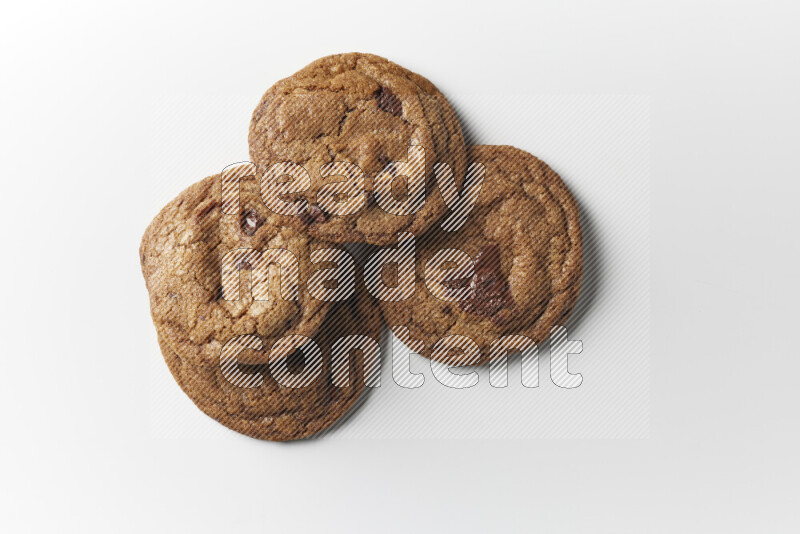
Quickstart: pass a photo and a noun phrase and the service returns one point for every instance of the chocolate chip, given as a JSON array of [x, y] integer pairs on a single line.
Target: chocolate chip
[[314, 214], [250, 222], [296, 362], [305, 218], [490, 292], [244, 265], [389, 102], [488, 284]]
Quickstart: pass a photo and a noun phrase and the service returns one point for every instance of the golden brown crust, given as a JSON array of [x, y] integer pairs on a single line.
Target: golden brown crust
[[526, 213]]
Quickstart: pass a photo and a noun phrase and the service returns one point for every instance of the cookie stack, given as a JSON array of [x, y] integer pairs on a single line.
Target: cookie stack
[[334, 148]]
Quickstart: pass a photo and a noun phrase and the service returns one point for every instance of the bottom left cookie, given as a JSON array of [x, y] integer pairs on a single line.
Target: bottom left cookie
[[273, 406]]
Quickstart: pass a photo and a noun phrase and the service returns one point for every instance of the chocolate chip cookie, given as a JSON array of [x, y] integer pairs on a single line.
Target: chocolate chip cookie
[[363, 112], [182, 252], [262, 402], [523, 271]]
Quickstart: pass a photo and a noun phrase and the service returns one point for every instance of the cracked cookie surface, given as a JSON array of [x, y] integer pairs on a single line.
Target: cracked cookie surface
[[181, 254], [364, 110], [271, 411], [524, 239]]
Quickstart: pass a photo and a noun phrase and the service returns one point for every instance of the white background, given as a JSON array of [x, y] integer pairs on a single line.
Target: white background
[[79, 87]]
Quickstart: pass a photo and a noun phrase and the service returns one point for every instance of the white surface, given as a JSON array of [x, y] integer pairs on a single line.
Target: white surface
[[80, 83]]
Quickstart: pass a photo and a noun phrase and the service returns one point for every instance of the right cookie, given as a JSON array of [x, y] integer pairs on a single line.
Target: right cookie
[[522, 274]]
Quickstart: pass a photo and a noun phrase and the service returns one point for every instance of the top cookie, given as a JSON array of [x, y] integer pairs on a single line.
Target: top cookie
[[524, 241], [363, 110]]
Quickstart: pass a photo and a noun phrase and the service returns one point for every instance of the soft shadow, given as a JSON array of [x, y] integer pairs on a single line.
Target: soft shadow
[[594, 274], [385, 344], [467, 128]]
